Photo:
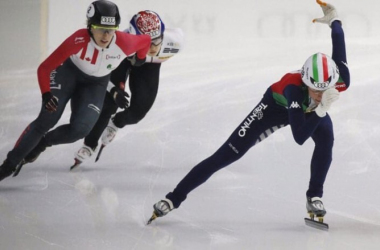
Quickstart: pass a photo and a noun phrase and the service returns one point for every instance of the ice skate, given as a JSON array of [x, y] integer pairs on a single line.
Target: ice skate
[[36, 151], [316, 211], [6, 169], [161, 208], [32, 156], [100, 152], [18, 168], [82, 155], [107, 137]]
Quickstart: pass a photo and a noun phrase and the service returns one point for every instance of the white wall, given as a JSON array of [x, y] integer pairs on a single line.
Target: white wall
[[20, 34], [227, 19], [206, 23]]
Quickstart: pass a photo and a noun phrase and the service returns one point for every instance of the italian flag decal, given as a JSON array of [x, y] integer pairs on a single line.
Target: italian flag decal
[[320, 62]]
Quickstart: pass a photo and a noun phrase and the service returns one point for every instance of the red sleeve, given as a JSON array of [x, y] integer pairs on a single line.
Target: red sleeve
[[133, 43], [286, 80], [70, 46], [341, 86]]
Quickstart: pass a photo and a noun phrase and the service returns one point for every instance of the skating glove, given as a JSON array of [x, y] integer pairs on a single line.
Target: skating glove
[[135, 61], [328, 97], [330, 14], [120, 97], [50, 101]]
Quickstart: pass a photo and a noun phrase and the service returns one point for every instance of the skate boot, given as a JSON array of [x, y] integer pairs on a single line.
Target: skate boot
[[108, 135], [36, 151], [82, 155], [314, 207], [316, 210], [6, 169], [161, 208]]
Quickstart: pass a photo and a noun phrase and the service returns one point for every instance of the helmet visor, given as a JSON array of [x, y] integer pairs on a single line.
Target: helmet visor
[[104, 29]]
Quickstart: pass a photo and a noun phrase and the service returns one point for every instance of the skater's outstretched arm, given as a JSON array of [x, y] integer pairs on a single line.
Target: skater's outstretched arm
[[332, 19]]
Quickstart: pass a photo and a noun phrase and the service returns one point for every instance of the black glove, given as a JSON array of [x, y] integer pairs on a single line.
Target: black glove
[[120, 97], [135, 61], [50, 101]]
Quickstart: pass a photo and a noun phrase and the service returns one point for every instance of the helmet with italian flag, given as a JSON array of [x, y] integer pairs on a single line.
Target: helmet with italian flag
[[320, 72]]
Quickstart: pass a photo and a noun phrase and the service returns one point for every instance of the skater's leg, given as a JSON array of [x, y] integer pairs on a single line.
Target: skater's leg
[[143, 84], [250, 132], [33, 133], [322, 157], [202, 172], [86, 105], [109, 108]]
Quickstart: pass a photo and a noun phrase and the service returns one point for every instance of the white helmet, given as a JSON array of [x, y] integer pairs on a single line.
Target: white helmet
[[320, 72]]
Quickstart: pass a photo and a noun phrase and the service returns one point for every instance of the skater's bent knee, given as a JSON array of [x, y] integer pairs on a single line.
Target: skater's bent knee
[[122, 119], [80, 130]]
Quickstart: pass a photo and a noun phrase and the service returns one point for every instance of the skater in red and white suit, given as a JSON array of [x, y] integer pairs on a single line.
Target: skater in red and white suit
[[78, 70], [143, 83]]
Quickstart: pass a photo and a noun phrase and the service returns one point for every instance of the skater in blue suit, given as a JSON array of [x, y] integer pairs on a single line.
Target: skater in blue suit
[[300, 99]]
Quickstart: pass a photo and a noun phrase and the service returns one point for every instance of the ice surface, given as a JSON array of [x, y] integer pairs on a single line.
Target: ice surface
[[205, 92]]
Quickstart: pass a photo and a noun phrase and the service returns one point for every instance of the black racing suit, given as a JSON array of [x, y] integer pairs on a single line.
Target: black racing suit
[[143, 84]]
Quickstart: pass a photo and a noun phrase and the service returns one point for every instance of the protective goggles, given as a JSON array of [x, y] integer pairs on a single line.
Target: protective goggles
[[157, 41], [104, 29]]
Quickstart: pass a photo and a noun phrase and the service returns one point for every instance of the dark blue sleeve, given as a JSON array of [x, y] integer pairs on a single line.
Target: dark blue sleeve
[[302, 126], [339, 51]]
